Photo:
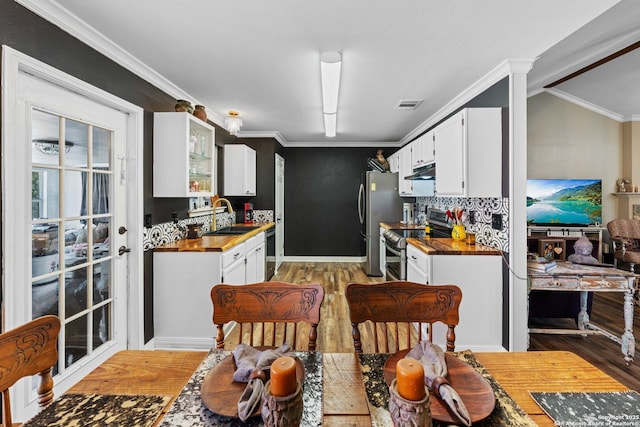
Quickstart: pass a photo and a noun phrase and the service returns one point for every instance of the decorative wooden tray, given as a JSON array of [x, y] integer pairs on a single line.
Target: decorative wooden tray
[[474, 390], [220, 393]]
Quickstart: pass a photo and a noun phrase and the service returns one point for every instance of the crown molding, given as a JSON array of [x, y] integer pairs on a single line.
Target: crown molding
[[278, 137], [586, 104], [504, 69], [346, 144], [263, 134], [72, 24]]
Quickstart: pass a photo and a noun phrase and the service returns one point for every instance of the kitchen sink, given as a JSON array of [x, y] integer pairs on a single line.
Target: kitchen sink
[[234, 229]]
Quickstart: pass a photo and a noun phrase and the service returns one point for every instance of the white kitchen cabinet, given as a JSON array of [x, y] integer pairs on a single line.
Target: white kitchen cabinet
[[261, 267], [239, 170], [468, 154], [182, 283], [417, 265], [255, 259], [406, 187], [422, 150], [480, 279], [234, 265], [184, 157], [393, 162]]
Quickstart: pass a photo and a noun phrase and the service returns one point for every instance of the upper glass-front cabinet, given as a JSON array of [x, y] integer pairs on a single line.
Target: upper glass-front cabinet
[[183, 156]]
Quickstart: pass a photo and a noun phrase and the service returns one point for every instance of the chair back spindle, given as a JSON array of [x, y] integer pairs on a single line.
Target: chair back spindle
[[267, 313], [393, 313]]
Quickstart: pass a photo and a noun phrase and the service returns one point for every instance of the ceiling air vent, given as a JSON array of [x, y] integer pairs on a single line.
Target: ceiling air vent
[[408, 104]]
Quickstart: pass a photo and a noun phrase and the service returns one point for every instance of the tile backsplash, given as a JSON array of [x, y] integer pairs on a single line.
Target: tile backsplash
[[480, 216], [167, 232]]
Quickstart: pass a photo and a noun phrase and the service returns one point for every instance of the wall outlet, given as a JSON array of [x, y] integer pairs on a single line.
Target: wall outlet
[[496, 221], [472, 217], [147, 221], [174, 217]]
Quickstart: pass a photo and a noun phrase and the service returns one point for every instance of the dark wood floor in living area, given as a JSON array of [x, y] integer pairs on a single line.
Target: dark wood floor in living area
[[334, 334]]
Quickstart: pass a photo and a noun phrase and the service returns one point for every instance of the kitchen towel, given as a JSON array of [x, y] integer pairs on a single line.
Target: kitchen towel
[[249, 359], [432, 359]]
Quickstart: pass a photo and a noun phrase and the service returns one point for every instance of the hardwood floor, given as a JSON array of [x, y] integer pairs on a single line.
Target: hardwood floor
[[334, 331]]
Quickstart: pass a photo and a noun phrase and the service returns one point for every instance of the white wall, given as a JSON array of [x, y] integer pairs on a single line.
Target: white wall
[[567, 141]]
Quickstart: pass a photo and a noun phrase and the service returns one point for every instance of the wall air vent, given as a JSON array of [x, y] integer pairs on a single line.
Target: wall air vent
[[408, 104]]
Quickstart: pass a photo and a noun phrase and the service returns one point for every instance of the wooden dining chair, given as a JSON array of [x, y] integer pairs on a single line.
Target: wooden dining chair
[[268, 313], [28, 350], [392, 314]]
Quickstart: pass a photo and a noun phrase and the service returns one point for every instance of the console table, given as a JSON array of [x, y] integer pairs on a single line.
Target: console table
[[568, 276]]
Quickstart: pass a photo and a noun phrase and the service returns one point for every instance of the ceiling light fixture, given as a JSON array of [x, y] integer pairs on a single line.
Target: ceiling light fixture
[[330, 66], [51, 147], [233, 122]]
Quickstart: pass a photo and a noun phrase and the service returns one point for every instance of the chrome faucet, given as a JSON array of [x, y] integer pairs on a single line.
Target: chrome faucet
[[213, 206]]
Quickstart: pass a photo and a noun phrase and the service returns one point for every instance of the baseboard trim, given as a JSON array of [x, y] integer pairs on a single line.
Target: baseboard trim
[[183, 343], [481, 348], [324, 259]]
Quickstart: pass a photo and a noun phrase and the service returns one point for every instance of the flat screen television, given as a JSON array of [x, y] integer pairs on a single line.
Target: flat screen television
[[564, 202]]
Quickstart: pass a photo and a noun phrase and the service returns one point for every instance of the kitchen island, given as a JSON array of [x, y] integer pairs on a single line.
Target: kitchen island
[[184, 273], [477, 271]]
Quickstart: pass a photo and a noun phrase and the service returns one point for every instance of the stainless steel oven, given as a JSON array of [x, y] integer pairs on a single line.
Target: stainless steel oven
[[395, 259], [395, 242]]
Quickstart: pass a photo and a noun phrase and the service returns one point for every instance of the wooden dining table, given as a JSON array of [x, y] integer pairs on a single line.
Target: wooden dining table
[[161, 372]]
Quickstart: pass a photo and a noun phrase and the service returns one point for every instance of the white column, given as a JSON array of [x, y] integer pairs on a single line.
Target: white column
[[518, 304]]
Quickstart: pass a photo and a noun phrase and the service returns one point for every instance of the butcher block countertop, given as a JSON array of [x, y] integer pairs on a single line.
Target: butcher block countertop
[[448, 246], [212, 243], [401, 226]]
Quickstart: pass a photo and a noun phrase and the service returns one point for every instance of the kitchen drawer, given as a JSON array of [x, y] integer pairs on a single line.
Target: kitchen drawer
[[418, 259], [577, 283], [250, 244], [233, 254], [253, 242]]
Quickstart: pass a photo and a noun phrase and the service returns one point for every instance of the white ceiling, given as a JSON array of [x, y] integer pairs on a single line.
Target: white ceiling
[[261, 58]]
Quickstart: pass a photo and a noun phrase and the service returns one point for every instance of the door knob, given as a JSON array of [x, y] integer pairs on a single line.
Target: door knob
[[123, 249], [122, 230]]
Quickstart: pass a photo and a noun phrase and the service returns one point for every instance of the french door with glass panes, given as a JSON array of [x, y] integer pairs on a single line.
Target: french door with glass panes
[[70, 146], [72, 221]]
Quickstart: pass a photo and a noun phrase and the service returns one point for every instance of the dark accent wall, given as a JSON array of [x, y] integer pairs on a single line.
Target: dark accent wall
[[321, 191], [30, 34], [321, 184]]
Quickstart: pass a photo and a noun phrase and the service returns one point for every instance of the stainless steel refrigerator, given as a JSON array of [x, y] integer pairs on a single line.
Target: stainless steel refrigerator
[[378, 201]]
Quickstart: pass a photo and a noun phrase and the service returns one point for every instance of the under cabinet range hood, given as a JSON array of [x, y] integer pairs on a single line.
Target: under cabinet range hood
[[423, 172]]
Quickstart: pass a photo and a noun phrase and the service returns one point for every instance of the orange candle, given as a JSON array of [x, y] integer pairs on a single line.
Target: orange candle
[[283, 376], [410, 379]]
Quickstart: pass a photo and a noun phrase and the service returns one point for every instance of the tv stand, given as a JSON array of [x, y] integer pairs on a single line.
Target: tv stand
[[564, 237]]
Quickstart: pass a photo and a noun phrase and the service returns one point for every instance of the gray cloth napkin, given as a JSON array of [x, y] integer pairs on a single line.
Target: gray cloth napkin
[[248, 360], [432, 359]]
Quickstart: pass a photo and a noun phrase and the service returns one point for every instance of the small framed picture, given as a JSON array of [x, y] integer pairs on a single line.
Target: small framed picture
[[552, 249]]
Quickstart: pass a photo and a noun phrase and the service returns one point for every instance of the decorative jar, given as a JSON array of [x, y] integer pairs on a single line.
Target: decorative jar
[[458, 232], [183, 106], [200, 112]]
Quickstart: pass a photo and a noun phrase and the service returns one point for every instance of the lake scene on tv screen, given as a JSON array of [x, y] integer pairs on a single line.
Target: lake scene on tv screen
[[568, 202]]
